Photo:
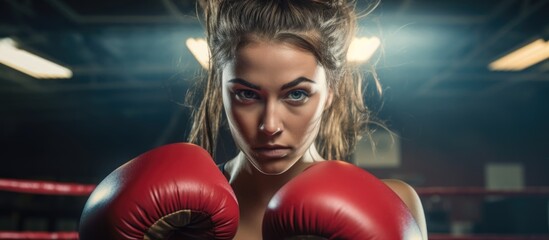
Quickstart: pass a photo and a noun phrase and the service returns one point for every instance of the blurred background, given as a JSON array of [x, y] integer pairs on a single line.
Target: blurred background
[[459, 123]]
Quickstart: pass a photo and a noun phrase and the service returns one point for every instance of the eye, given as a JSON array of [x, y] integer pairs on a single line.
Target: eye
[[246, 95], [298, 96]]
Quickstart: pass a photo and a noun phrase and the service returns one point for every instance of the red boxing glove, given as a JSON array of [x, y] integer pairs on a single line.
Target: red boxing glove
[[172, 192], [337, 200]]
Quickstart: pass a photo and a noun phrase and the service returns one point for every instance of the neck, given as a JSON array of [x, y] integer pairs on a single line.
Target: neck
[[247, 180]]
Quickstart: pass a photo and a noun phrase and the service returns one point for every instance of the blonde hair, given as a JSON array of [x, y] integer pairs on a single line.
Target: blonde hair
[[324, 28]]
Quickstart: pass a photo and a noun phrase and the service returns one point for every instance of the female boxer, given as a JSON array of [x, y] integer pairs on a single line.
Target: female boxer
[[278, 71]]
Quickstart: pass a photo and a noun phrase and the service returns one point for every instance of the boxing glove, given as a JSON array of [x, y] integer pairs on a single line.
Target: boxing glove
[[171, 192], [337, 200]]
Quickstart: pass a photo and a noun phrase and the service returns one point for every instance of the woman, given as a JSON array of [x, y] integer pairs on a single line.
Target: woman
[[278, 71]]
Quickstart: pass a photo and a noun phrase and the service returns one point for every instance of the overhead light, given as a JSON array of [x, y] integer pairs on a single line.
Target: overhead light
[[362, 49], [29, 63], [523, 57], [199, 49]]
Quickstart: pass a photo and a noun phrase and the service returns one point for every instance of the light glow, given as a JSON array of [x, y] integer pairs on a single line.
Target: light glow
[[29, 63], [523, 57], [362, 49], [199, 49]]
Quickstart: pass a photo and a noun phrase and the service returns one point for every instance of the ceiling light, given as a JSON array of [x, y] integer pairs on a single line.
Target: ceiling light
[[362, 49], [200, 51], [29, 63], [523, 57]]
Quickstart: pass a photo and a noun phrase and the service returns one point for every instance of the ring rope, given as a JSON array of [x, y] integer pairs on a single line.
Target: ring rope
[[39, 235], [486, 237], [57, 188], [74, 236], [430, 191], [45, 187]]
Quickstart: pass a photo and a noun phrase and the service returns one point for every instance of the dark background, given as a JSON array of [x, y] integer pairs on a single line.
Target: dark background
[[132, 69]]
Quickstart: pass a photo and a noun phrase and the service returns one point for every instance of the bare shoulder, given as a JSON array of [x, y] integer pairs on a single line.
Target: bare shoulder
[[402, 189], [410, 197]]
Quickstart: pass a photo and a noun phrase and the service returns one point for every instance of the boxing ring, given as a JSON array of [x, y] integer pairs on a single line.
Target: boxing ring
[[83, 190]]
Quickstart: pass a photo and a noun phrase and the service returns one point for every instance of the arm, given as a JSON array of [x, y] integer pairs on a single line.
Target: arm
[[412, 201]]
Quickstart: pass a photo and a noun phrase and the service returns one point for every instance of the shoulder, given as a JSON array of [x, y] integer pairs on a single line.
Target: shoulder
[[403, 190], [410, 197]]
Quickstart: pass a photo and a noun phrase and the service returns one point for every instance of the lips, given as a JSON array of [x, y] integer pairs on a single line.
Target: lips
[[272, 151]]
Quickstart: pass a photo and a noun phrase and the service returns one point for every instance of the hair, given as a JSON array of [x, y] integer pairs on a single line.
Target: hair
[[324, 28]]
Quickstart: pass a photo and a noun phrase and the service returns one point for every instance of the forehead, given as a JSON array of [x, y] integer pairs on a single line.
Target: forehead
[[273, 58]]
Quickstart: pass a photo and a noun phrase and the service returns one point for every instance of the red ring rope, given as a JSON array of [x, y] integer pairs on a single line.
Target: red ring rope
[[55, 188], [39, 235], [74, 236], [44, 187], [429, 191], [487, 237]]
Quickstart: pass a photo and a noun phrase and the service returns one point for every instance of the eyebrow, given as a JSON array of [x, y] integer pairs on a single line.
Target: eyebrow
[[245, 83], [296, 82], [293, 83]]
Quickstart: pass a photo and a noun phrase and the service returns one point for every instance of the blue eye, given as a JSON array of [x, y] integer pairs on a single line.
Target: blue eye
[[298, 96]]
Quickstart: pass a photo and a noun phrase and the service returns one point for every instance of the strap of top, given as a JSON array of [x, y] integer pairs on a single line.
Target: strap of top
[[222, 167]]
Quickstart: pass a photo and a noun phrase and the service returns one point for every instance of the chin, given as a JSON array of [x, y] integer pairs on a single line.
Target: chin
[[273, 166]]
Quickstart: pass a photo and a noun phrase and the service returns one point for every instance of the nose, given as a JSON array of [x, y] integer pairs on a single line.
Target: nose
[[271, 123]]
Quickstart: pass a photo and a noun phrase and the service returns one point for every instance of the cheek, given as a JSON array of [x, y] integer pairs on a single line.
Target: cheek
[[244, 118], [306, 119], [232, 118], [242, 121]]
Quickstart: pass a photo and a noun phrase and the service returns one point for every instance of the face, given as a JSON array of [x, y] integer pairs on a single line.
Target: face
[[274, 95]]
